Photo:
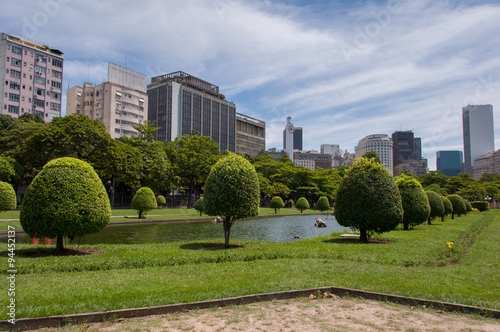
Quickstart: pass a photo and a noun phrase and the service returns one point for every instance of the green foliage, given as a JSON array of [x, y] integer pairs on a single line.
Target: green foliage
[[8, 200], [7, 171], [276, 203], [192, 157], [199, 205], [302, 204], [66, 199], [433, 177], [468, 206], [144, 200], [455, 183], [436, 204], [146, 130], [368, 199], [290, 203], [458, 205], [323, 204], [372, 154], [448, 207], [280, 189], [437, 189], [160, 200], [415, 203], [481, 205], [232, 191], [473, 191]]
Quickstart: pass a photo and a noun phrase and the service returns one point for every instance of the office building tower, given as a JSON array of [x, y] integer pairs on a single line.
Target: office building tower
[[120, 103], [297, 138], [406, 147], [31, 78], [478, 132], [381, 144], [180, 104], [250, 135], [487, 163], [449, 162], [288, 137]]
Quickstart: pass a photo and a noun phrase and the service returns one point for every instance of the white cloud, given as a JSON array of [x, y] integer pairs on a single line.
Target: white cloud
[[341, 70]]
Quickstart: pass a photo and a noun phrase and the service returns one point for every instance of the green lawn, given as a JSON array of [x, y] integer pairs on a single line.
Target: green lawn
[[415, 263]]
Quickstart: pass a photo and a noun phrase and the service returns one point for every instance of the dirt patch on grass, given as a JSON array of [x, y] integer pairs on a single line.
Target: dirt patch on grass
[[304, 314]]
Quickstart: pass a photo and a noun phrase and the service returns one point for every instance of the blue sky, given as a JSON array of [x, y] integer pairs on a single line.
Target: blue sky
[[341, 69]]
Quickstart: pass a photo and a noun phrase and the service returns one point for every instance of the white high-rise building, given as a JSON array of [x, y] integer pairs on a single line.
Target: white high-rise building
[[288, 135], [478, 133], [380, 143], [333, 150]]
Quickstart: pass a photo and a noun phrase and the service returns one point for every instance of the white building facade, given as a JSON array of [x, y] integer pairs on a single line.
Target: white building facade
[[381, 144]]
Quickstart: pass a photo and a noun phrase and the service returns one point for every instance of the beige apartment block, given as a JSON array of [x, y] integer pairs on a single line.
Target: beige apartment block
[[118, 106], [31, 77], [250, 135]]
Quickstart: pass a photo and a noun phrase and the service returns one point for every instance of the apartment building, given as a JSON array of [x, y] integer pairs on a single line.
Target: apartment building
[[120, 103], [31, 78]]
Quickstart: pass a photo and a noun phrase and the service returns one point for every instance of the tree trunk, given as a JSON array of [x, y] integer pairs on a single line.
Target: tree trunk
[[429, 221], [452, 215], [227, 231], [363, 238], [275, 211], [60, 243], [190, 192], [405, 226], [442, 218]]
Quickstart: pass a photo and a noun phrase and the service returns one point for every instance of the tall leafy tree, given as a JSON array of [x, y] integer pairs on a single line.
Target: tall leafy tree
[[436, 204], [368, 199], [192, 157], [231, 191], [415, 202]]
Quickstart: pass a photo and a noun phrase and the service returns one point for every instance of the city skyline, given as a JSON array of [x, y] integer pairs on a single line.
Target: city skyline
[[341, 70]]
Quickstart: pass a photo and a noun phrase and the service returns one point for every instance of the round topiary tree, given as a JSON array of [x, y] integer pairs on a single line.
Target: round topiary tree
[[160, 200], [415, 203], [323, 204], [458, 205], [8, 199], [368, 199], [66, 199], [276, 203], [468, 206], [448, 207], [144, 200], [199, 205], [290, 203], [232, 191], [302, 204], [436, 204]]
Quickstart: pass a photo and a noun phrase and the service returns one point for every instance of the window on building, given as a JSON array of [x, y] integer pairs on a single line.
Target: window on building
[[55, 84], [57, 63], [14, 85], [40, 70], [13, 97], [39, 80], [39, 102], [13, 109], [55, 106], [16, 50], [56, 74], [15, 62], [39, 92]]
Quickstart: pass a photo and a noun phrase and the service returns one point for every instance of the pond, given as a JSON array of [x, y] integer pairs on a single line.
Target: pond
[[275, 229]]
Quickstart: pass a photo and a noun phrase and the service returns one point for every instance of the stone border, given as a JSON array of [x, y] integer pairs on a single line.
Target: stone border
[[58, 321]]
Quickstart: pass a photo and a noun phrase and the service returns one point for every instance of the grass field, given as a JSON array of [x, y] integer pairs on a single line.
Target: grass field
[[417, 263]]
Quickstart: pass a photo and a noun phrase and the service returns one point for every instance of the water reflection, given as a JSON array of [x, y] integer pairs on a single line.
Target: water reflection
[[276, 229]]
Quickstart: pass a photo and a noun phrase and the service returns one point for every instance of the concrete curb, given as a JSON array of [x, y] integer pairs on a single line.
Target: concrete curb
[[58, 321]]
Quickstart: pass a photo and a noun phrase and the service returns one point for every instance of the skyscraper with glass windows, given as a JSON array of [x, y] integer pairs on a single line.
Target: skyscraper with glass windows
[[180, 104], [479, 137]]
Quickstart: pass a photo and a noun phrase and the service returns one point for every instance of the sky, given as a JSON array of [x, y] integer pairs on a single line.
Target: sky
[[341, 69]]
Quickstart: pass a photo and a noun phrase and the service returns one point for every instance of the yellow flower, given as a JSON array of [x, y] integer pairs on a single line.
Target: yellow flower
[[450, 244]]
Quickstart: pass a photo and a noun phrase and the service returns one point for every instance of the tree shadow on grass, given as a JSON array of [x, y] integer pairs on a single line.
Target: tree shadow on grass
[[356, 241], [48, 252], [208, 246]]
